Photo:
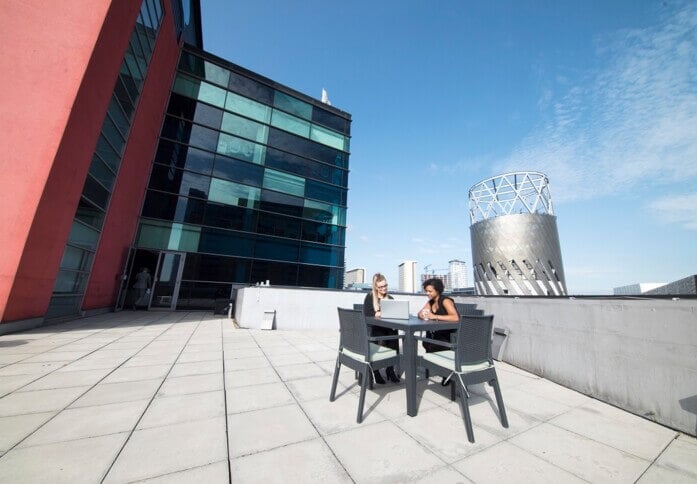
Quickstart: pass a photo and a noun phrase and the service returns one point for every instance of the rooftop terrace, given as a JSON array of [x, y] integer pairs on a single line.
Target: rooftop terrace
[[187, 397]]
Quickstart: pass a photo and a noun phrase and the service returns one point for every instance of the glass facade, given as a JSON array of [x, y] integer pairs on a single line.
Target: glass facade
[[249, 180], [84, 235]]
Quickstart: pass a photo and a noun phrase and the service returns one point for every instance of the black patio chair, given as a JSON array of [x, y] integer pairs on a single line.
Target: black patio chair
[[466, 362], [360, 352], [358, 307], [464, 309]]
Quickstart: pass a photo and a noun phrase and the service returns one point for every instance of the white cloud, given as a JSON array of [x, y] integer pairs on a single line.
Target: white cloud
[[680, 209], [631, 124]]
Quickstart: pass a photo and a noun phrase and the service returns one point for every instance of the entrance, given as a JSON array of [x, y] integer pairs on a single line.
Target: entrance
[[166, 268], [167, 279]]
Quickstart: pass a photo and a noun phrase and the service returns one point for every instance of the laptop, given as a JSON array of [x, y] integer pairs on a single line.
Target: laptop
[[394, 309]]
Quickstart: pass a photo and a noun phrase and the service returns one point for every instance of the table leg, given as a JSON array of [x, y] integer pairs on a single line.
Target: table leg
[[409, 365]]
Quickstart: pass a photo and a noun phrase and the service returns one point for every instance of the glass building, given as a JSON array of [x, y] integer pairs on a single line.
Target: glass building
[[145, 151], [248, 185]]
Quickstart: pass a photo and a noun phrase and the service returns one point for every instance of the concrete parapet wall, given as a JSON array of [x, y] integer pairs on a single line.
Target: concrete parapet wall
[[640, 355]]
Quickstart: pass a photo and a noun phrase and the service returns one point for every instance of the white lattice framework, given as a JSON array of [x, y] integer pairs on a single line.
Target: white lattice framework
[[510, 193]]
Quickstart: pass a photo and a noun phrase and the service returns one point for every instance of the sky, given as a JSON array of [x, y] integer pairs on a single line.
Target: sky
[[599, 96]]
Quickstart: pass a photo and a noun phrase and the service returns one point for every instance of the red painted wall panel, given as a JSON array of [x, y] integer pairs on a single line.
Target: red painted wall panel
[[121, 223], [63, 58]]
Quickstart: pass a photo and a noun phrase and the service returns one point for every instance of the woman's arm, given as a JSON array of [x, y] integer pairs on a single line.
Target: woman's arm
[[425, 312], [452, 315], [368, 305]]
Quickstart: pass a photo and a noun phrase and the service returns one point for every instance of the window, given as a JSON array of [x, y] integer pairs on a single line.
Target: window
[[290, 123], [292, 105], [233, 194], [283, 182], [241, 149], [239, 171], [245, 128], [247, 107]]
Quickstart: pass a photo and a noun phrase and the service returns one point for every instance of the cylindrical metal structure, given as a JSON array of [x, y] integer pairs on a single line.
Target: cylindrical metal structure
[[515, 241]]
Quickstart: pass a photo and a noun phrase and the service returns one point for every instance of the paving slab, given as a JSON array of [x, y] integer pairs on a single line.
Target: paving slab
[[310, 461], [163, 450], [262, 430], [72, 462], [394, 457], [85, 422], [583, 457]]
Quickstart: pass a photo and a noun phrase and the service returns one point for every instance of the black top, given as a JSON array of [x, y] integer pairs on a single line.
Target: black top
[[368, 305], [441, 309]]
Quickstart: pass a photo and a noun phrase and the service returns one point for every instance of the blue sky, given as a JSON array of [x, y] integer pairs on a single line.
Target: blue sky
[[600, 96]]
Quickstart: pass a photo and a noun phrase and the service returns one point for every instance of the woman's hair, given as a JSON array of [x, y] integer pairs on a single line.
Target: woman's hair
[[377, 278], [437, 284]]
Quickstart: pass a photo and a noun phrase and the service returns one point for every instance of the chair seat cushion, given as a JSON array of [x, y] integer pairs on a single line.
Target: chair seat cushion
[[446, 359], [377, 353]]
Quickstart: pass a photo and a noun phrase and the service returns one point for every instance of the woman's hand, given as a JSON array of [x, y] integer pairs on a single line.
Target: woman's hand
[[425, 313], [378, 313]]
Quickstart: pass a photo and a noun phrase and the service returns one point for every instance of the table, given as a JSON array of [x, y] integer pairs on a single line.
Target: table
[[409, 355]]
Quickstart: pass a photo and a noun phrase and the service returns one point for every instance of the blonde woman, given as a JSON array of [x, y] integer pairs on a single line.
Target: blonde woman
[[371, 308]]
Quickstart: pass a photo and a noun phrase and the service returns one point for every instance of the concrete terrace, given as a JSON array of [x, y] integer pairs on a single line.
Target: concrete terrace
[[186, 397]]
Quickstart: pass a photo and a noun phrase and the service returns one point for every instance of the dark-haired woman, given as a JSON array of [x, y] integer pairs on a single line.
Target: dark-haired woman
[[438, 308]]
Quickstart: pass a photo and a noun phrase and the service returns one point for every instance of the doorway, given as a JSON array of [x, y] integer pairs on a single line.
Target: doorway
[[167, 280]]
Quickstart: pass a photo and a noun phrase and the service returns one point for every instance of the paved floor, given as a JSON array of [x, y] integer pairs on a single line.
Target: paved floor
[[186, 397]]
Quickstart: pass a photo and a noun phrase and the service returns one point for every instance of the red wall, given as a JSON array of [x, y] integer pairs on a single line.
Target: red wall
[[126, 200], [60, 61]]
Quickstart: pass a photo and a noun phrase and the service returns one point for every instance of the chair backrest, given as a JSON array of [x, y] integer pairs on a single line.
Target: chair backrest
[[467, 308], [353, 331], [358, 307], [474, 339]]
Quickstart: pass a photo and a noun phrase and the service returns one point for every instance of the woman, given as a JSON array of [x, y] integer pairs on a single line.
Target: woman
[[371, 308], [438, 308]]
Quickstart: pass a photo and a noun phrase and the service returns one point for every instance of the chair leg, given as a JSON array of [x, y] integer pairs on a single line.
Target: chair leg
[[499, 402], [365, 378], [464, 408], [335, 379], [453, 389]]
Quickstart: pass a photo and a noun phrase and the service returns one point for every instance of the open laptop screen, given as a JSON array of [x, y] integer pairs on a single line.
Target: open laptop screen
[[394, 309]]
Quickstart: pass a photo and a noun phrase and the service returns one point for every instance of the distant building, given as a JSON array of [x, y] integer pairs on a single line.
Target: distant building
[[636, 289], [354, 276], [443, 277], [687, 285], [457, 272], [407, 273]]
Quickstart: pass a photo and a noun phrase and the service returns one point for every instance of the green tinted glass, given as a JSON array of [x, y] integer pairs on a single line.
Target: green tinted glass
[[238, 148], [327, 137], [244, 127], [247, 107], [235, 194], [292, 105], [283, 182], [290, 123]]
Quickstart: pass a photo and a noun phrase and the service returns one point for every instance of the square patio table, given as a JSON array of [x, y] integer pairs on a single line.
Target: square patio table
[[408, 358]]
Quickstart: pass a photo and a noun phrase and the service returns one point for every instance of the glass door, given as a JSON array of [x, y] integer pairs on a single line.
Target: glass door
[[167, 279]]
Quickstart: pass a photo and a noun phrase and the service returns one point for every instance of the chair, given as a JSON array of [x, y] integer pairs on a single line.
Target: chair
[[464, 309], [358, 307], [359, 352], [467, 361]]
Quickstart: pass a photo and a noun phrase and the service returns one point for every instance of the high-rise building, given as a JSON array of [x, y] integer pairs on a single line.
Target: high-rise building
[[443, 277], [457, 270], [515, 242], [354, 276], [407, 275], [139, 149]]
